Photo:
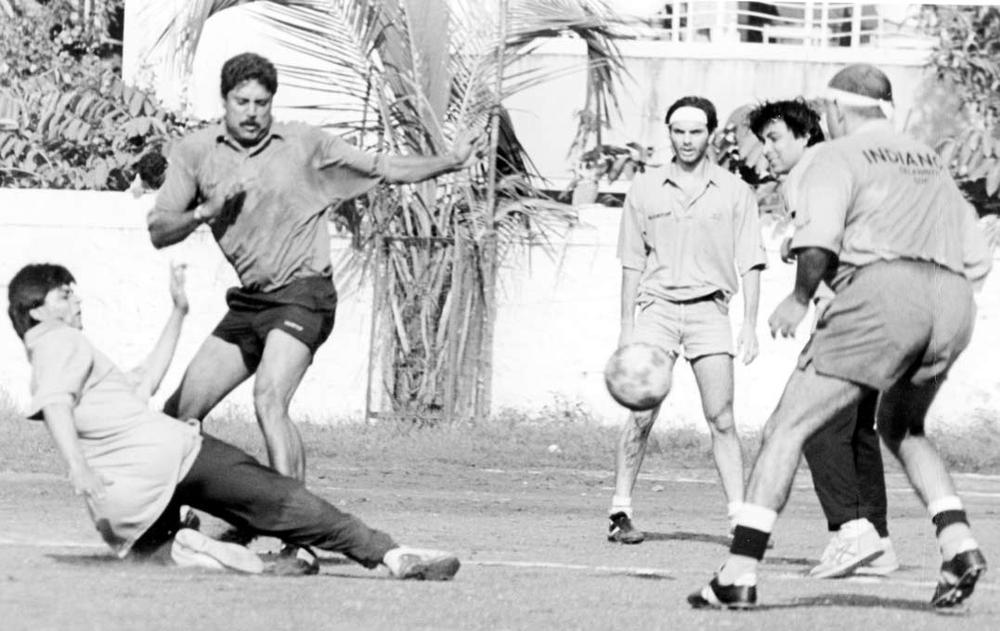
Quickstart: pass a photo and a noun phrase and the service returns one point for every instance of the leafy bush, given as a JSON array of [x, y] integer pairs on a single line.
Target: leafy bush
[[66, 118], [965, 63]]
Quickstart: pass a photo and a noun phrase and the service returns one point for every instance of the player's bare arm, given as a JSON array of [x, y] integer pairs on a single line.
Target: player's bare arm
[[467, 149], [154, 368], [746, 343], [167, 227], [813, 266], [630, 289], [59, 419]]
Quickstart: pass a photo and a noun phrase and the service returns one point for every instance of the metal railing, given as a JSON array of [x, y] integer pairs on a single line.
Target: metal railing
[[812, 24]]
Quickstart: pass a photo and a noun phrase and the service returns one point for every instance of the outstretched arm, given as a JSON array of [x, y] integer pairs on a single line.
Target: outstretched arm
[[153, 369], [59, 419], [409, 169]]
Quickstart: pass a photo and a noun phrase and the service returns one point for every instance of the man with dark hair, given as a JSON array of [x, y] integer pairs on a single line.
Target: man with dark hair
[[844, 457], [135, 467], [263, 188], [690, 236], [881, 220]]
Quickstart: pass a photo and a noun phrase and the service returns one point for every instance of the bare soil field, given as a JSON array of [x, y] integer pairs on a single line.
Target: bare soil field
[[533, 549]]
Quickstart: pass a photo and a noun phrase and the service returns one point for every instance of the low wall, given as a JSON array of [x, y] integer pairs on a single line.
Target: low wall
[[557, 315]]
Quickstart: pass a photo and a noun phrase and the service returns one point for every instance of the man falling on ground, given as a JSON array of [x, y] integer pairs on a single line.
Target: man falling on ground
[[690, 235], [882, 220], [137, 468], [263, 188]]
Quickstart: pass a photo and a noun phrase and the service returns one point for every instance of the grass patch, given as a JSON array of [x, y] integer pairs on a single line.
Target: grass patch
[[559, 436]]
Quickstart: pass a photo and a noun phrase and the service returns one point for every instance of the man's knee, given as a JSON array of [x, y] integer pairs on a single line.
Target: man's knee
[[269, 402], [721, 421]]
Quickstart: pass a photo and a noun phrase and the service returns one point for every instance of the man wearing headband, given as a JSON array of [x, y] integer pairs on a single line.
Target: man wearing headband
[[881, 219], [690, 233], [844, 457]]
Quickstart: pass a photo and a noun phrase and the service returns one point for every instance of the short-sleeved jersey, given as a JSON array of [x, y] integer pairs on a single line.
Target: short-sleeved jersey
[[280, 233], [690, 247], [143, 453], [876, 195]]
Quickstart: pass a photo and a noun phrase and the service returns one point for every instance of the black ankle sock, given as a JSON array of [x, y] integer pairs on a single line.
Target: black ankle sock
[[749, 542]]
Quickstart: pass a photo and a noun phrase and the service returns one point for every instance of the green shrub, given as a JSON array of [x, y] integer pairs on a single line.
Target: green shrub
[[67, 120]]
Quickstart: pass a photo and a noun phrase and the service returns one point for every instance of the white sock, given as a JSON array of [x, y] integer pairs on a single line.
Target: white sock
[[757, 517], [620, 504]]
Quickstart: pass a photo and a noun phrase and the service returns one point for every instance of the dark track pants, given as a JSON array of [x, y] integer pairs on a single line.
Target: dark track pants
[[230, 484], [846, 465]]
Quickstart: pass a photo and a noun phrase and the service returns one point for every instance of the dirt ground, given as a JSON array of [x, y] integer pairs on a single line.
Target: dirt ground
[[533, 550]]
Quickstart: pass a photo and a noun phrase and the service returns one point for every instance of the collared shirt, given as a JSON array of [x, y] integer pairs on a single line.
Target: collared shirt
[[294, 174], [876, 194], [144, 454], [690, 247]]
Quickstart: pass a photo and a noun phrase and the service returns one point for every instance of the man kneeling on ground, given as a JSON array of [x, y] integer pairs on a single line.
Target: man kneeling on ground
[[136, 467]]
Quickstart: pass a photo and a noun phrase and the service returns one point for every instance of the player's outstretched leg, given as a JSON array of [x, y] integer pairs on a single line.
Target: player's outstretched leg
[[228, 483], [901, 425], [809, 401]]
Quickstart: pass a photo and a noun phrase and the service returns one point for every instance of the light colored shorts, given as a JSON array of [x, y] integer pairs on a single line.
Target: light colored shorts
[[700, 327], [894, 320]]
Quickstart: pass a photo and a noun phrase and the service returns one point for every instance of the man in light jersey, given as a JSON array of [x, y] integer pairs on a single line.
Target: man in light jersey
[[136, 468], [264, 189], [844, 457], [689, 239], [881, 219]]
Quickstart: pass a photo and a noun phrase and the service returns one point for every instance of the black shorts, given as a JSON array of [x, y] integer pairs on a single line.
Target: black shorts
[[305, 309]]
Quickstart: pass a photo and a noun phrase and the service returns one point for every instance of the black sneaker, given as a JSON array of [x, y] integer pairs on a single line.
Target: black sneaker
[[718, 596], [621, 530], [958, 578], [232, 534], [294, 561]]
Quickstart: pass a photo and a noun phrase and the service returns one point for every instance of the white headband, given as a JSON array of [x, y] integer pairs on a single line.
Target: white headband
[[852, 99], [688, 114]]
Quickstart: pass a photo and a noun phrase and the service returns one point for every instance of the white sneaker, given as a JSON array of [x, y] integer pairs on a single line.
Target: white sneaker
[[193, 549], [421, 565], [855, 544], [882, 565]]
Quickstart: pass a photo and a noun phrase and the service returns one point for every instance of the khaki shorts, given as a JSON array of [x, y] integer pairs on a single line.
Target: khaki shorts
[[701, 327], [895, 320]]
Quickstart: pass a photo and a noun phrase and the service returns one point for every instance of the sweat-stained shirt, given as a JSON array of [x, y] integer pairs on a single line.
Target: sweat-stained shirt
[[688, 248], [143, 453], [878, 195], [279, 233]]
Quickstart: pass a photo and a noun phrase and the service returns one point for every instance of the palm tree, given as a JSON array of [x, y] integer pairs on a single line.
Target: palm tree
[[435, 246]]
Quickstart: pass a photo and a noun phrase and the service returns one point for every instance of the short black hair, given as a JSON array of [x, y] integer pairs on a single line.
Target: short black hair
[[801, 119], [27, 290], [246, 67], [152, 168], [695, 101]]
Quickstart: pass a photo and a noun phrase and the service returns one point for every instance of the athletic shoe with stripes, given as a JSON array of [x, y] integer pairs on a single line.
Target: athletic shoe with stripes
[[856, 544], [418, 564], [190, 548], [958, 578]]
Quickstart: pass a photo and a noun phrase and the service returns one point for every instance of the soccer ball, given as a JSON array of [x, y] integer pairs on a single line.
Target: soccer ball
[[638, 376]]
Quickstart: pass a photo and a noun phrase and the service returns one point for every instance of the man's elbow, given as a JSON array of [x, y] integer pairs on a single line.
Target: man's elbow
[[157, 237]]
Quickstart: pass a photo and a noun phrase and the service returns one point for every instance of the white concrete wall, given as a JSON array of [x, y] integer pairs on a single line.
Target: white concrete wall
[[557, 320]]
